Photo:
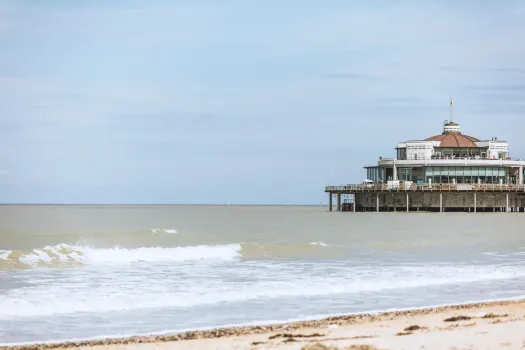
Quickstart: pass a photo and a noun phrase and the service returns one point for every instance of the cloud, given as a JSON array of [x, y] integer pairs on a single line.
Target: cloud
[[507, 70], [90, 29], [499, 88], [5, 18], [351, 76], [481, 70], [116, 97]]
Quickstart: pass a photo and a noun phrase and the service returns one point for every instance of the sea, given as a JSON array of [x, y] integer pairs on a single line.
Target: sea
[[88, 271]]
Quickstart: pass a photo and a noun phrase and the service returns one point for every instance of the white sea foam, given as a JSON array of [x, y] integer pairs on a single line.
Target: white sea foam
[[503, 255], [4, 254], [322, 244], [265, 322], [107, 290], [163, 230], [158, 254], [117, 255]]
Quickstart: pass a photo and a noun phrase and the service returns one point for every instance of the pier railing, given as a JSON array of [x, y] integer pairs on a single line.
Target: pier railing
[[426, 187], [454, 157]]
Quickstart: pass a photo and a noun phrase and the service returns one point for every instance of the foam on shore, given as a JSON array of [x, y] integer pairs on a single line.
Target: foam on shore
[[262, 327]]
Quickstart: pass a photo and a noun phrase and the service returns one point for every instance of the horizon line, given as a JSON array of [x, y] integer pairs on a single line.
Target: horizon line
[[162, 204]]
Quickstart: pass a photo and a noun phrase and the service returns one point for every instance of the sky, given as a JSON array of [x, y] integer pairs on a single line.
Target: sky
[[253, 102]]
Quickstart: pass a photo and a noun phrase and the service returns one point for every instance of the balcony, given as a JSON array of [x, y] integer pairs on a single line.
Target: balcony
[[432, 161], [449, 158], [445, 187]]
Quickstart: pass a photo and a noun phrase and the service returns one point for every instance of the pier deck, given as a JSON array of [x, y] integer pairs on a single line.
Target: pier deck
[[429, 197]]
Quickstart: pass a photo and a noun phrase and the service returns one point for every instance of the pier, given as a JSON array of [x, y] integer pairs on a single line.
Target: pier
[[427, 197], [446, 172]]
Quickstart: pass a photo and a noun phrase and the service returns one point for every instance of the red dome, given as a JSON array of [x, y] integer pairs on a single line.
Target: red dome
[[454, 140]]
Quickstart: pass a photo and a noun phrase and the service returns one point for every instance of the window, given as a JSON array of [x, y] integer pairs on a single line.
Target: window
[[490, 175]]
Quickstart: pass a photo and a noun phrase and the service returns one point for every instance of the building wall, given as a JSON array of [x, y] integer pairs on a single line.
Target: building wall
[[431, 200], [419, 150], [415, 150], [496, 149], [426, 149]]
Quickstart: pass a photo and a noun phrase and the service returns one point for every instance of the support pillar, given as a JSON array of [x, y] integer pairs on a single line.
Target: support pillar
[[475, 202], [355, 202], [507, 198], [408, 204], [377, 202], [520, 176], [394, 171], [330, 201], [338, 201], [394, 203], [440, 202]]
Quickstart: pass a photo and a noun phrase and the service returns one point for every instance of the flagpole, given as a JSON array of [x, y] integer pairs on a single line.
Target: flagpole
[[451, 115]]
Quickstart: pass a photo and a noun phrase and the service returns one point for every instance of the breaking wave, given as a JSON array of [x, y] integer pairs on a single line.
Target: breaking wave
[[76, 254], [67, 254]]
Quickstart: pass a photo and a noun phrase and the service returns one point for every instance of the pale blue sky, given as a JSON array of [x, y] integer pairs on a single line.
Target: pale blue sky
[[249, 101]]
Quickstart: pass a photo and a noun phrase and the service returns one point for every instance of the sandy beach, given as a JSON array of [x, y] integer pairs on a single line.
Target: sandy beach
[[492, 325]]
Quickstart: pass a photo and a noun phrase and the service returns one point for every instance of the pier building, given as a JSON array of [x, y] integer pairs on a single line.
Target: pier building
[[451, 171]]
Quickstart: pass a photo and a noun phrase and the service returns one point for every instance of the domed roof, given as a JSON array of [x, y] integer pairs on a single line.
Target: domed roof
[[454, 140], [452, 137]]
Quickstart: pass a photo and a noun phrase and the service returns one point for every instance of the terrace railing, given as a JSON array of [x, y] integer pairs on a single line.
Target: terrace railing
[[426, 187], [457, 157]]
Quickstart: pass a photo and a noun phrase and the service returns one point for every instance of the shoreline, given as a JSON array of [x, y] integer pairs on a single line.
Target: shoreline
[[249, 331]]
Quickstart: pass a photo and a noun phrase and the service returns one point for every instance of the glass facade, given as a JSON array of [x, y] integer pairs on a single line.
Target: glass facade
[[458, 152], [488, 175], [446, 174], [376, 174], [401, 153], [404, 174]]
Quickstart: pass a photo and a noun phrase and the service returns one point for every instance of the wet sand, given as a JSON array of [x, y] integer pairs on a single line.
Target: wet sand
[[495, 325]]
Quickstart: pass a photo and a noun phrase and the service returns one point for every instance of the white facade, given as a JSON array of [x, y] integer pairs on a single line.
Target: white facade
[[496, 149], [418, 149], [450, 158], [426, 149], [452, 127]]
